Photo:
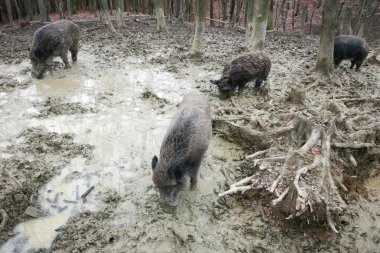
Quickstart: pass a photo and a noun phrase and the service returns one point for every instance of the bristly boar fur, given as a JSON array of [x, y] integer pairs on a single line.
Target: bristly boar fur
[[238, 72], [183, 147], [52, 40], [348, 47]]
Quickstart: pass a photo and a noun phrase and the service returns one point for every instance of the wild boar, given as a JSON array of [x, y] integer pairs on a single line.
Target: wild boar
[[53, 40], [183, 147], [238, 72], [347, 47]]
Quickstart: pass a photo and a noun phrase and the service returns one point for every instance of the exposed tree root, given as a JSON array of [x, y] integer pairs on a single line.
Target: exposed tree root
[[302, 179], [4, 218]]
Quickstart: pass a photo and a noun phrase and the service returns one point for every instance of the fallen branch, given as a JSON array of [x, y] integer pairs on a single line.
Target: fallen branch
[[354, 145]]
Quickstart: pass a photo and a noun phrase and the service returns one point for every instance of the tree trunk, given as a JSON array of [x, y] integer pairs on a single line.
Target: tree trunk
[[179, 10], [294, 11], [280, 14], [111, 7], [69, 10], [326, 45], [43, 11], [197, 46], [239, 6], [345, 27], [232, 12], [303, 18], [224, 4], [59, 8], [9, 12], [270, 16], [19, 16], [259, 30], [284, 16], [250, 21], [120, 13], [28, 8], [311, 18], [212, 13], [159, 8], [105, 13], [368, 11]]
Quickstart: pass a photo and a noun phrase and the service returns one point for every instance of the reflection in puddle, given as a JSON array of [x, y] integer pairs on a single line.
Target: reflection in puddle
[[126, 132]]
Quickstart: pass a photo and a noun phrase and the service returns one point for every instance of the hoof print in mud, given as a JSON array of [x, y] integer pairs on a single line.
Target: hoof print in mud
[[183, 147], [238, 72]]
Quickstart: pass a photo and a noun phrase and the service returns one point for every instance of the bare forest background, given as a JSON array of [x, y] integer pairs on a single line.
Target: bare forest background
[[303, 16]]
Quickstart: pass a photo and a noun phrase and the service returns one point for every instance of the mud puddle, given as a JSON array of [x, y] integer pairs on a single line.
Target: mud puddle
[[124, 111]]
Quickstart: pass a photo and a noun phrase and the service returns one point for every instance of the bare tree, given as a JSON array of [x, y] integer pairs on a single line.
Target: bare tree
[[43, 10], [197, 46], [284, 15], [159, 8], [68, 8], [345, 27], [212, 13], [28, 8], [105, 13], [9, 12], [270, 16], [259, 30], [179, 9], [120, 13], [224, 7], [303, 17], [250, 20], [326, 46], [59, 7], [19, 16], [368, 11]]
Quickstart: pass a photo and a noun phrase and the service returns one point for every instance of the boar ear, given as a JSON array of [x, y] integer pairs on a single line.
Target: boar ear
[[154, 162]]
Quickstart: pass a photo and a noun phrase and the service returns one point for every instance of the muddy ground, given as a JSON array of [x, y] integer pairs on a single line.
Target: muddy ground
[[100, 122]]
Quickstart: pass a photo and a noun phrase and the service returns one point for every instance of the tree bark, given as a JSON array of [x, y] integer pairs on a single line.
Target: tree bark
[[9, 12], [224, 4], [250, 20], [212, 13], [239, 6], [284, 16], [19, 16], [120, 13], [294, 8], [179, 10], [259, 30], [270, 16], [197, 46], [326, 45], [43, 11], [280, 14], [105, 13], [69, 10], [232, 12], [345, 27], [303, 18], [159, 8], [28, 8]]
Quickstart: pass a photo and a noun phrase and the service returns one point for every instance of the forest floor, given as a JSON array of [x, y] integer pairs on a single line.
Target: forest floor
[[100, 122]]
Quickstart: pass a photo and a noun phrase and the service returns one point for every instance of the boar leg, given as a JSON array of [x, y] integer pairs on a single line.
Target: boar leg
[[65, 60], [358, 64], [74, 54], [194, 174]]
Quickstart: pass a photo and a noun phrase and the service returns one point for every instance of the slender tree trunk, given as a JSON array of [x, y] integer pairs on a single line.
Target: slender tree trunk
[[232, 12], [159, 8], [224, 4], [68, 8], [311, 18], [111, 7], [105, 13], [259, 30], [294, 8], [303, 18], [197, 46], [326, 46], [43, 11], [179, 9], [250, 20], [59, 4], [120, 13], [345, 27], [270, 16], [28, 8], [212, 13], [9, 12], [368, 11], [19, 16], [239, 6], [284, 16], [280, 14]]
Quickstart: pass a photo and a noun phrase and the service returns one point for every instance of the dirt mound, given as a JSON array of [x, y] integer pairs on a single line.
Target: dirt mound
[[31, 160], [57, 106]]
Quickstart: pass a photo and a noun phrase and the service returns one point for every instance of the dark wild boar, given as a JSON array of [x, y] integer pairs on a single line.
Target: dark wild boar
[[53, 40], [238, 72], [347, 47], [183, 147]]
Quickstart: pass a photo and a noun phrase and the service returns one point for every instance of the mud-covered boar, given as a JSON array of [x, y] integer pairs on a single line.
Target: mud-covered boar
[[347, 47], [238, 72], [183, 147], [53, 40]]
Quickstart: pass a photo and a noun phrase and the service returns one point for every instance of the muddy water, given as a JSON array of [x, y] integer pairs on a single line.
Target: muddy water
[[126, 131]]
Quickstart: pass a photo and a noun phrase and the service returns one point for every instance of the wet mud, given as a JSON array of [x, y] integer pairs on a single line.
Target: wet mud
[[98, 124]]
